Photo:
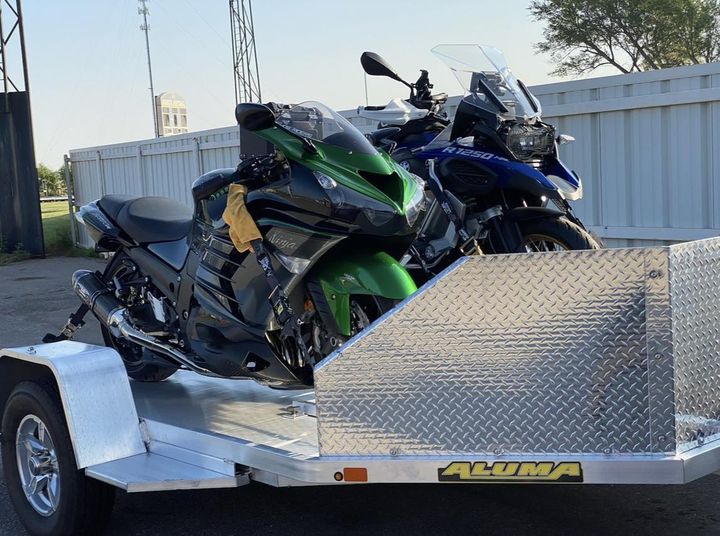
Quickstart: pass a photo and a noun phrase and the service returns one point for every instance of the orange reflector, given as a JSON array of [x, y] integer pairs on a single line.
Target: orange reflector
[[355, 474]]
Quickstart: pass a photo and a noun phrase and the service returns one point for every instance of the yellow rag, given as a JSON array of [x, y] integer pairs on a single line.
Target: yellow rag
[[242, 226]]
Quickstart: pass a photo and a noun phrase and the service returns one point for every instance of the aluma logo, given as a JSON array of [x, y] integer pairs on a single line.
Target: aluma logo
[[511, 472]]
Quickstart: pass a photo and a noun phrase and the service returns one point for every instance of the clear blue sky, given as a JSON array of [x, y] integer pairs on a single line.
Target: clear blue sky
[[89, 76]]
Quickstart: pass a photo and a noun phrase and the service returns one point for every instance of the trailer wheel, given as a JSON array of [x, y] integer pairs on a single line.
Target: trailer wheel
[[51, 496]]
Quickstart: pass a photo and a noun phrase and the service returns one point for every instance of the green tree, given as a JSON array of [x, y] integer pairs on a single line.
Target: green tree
[[630, 35], [51, 181]]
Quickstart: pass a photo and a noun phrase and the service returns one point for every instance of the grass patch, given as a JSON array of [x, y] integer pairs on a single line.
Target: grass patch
[[56, 230], [56, 227], [15, 256]]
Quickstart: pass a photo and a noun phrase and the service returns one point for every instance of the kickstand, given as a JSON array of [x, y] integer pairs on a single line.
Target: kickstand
[[74, 323]]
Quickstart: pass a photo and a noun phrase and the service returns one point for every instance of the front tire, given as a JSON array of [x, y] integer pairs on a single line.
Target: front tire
[[51, 496], [555, 234]]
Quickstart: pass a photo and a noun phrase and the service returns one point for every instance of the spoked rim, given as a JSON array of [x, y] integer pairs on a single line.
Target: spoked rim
[[38, 465], [536, 243]]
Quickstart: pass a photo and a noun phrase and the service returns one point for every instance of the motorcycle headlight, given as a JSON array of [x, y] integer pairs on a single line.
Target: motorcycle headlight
[[526, 141], [569, 191], [416, 205]]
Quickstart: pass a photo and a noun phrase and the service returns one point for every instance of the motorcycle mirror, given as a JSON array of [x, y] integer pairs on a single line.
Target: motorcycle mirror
[[374, 65], [253, 116], [563, 139]]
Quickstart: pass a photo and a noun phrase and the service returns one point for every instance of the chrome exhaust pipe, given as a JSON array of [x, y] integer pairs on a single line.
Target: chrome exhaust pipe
[[119, 320], [109, 310]]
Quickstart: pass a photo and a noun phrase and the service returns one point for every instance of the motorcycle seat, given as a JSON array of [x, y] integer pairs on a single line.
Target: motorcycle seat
[[148, 219]]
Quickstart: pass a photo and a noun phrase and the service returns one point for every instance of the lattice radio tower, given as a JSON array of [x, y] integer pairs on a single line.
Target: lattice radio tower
[[13, 61], [245, 64]]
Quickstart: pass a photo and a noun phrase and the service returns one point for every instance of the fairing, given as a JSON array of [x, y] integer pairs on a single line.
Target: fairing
[[511, 174], [480, 68]]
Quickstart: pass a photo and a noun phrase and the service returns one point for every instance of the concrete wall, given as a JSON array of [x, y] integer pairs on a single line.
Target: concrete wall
[[646, 146]]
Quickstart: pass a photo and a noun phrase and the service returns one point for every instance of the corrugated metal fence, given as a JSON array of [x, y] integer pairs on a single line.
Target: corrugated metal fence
[[163, 167], [646, 145]]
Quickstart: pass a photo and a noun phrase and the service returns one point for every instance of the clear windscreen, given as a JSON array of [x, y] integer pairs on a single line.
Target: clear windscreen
[[483, 73], [315, 121]]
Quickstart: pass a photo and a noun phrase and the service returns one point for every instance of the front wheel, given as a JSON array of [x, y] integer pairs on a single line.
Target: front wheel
[[542, 234], [555, 234]]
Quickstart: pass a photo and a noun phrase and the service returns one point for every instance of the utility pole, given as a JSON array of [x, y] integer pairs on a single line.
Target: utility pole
[[144, 11], [245, 64]]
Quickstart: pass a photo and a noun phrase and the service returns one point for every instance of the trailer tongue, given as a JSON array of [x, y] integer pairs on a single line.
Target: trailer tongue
[[581, 366]]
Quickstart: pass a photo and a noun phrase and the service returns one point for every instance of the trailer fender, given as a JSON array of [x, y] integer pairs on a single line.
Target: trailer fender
[[94, 390]]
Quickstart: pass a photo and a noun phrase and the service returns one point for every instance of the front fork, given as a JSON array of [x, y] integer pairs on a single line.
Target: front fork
[[468, 243], [492, 223]]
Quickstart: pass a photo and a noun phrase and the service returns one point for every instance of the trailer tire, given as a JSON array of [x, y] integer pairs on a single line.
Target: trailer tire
[[79, 505]]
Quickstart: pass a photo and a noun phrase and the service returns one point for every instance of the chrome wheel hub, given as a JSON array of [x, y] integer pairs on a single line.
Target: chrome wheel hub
[[37, 465]]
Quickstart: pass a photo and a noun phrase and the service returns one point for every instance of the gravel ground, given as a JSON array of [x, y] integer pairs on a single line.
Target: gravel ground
[[35, 297]]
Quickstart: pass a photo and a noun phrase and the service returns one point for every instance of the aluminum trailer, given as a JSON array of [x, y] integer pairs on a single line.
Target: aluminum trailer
[[592, 367]]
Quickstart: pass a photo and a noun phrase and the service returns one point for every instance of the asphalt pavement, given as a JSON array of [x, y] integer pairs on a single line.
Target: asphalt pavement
[[35, 297]]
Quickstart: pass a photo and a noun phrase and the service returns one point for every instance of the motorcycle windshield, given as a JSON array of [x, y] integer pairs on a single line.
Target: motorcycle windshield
[[315, 121], [481, 69]]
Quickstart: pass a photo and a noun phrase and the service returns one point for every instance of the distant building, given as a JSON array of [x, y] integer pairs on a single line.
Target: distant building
[[171, 113]]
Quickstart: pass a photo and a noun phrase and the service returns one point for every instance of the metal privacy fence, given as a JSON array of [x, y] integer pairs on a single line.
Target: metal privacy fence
[[156, 167], [646, 146]]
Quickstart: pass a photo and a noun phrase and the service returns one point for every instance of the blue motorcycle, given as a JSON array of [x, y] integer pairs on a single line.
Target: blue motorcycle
[[495, 180]]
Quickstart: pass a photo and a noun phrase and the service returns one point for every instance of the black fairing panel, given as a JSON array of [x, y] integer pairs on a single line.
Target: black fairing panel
[[467, 177], [227, 346], [300, 201], [104, 232], [162, 275], [523, 183], [236, 282], [173, 253], [213, 181], [468, 116]]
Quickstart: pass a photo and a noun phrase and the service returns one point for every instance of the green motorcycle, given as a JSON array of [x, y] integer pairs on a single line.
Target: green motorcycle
[[334, 214]]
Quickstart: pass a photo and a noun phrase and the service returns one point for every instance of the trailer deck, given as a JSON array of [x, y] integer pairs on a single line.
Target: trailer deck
[[594, 367]]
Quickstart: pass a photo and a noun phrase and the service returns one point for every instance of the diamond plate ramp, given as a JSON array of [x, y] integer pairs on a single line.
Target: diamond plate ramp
[[568, 352]]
